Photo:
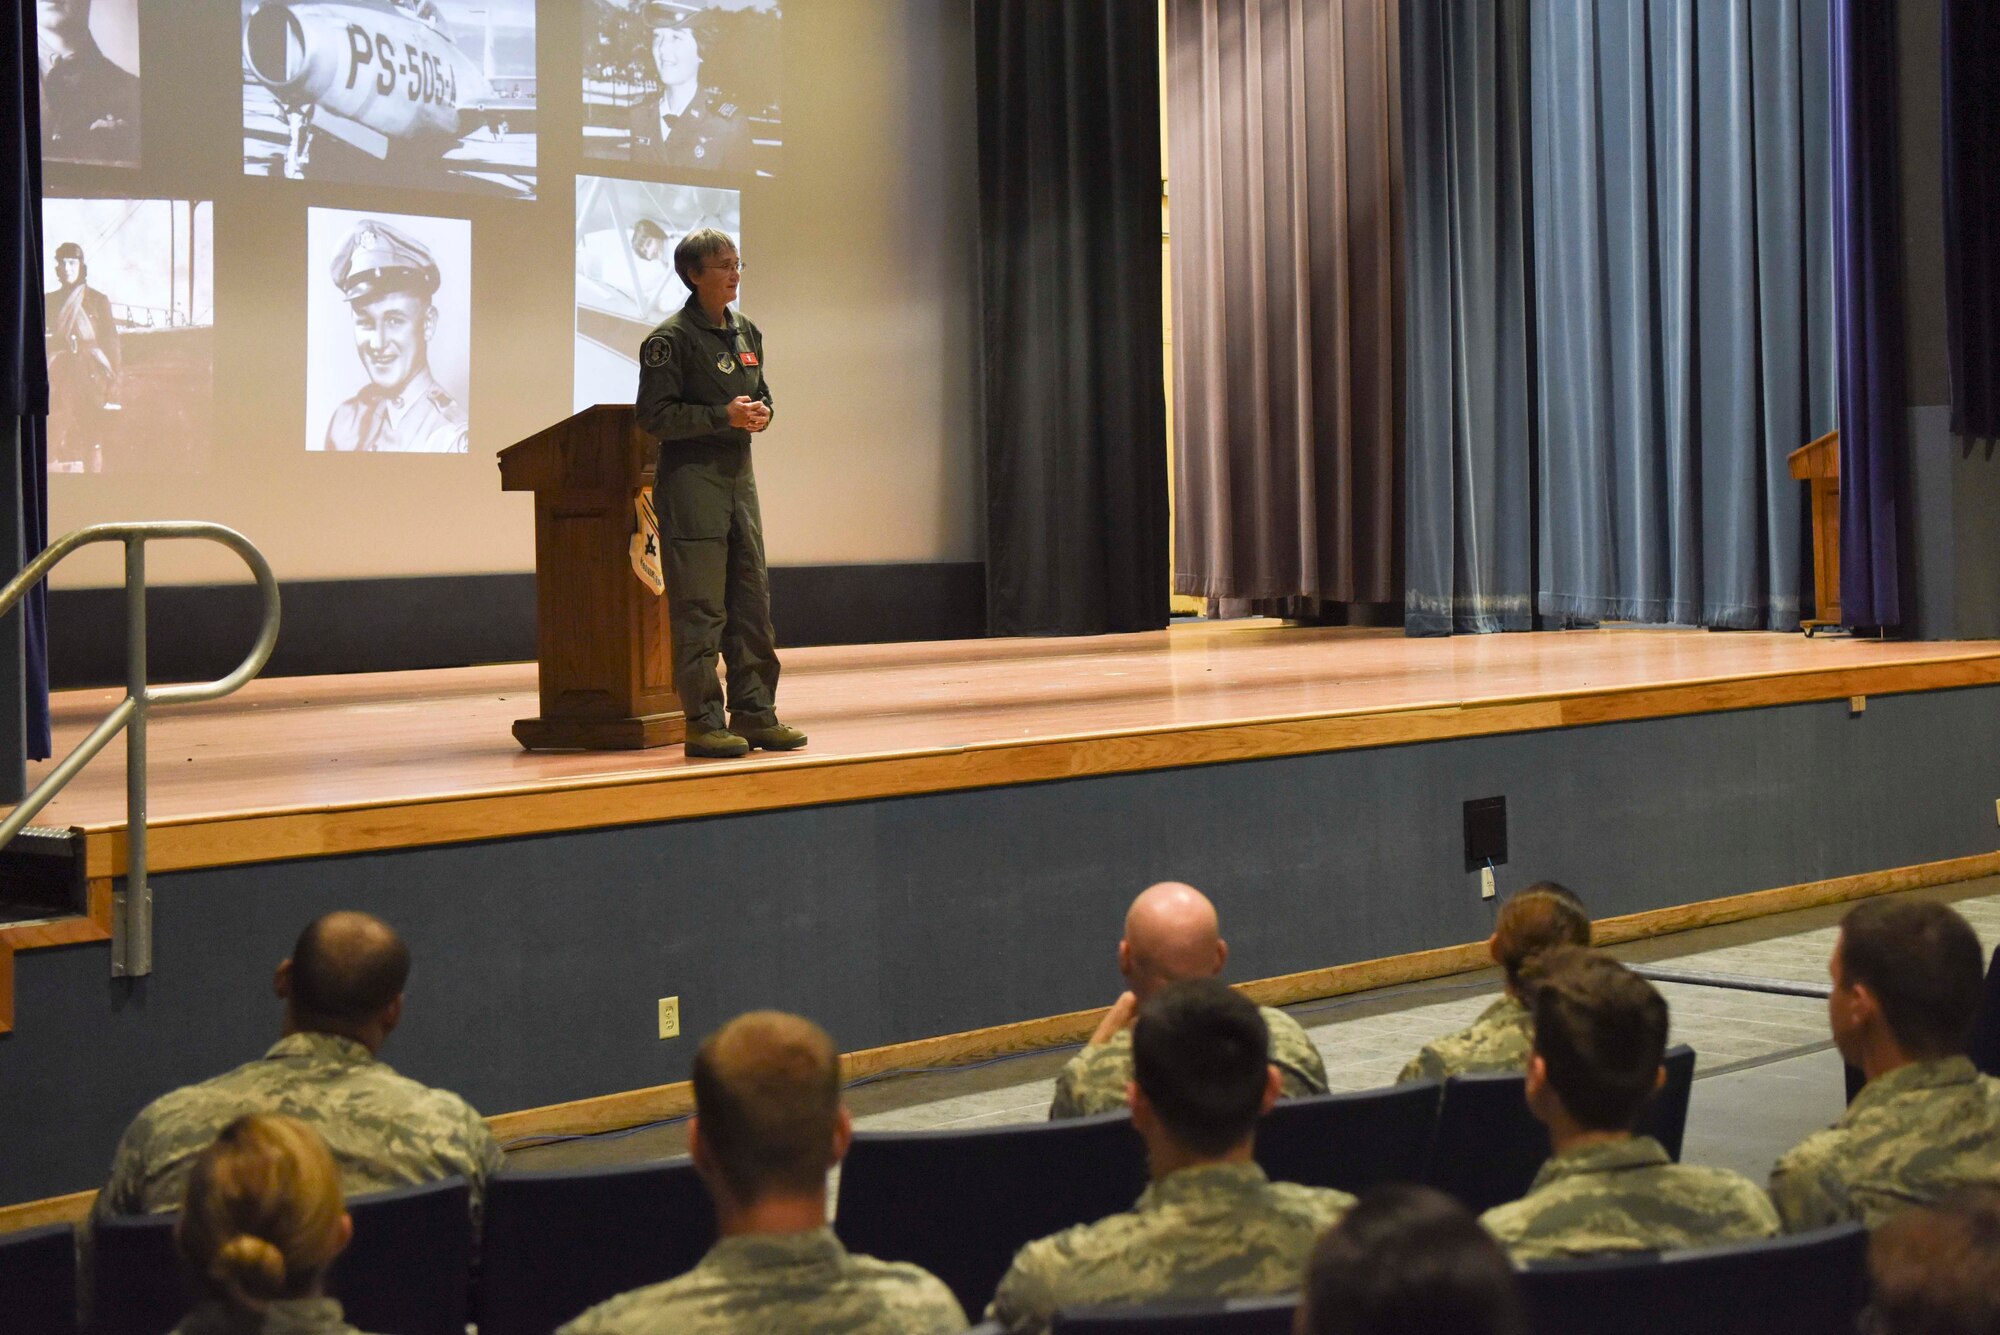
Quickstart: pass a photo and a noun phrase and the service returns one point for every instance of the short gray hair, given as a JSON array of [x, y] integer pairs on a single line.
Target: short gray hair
[[697, 248]]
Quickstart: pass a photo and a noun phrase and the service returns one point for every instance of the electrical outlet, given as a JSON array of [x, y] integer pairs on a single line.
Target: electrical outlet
[[1486, 890], [1857, 704], [1996, 809], [670, 1017]]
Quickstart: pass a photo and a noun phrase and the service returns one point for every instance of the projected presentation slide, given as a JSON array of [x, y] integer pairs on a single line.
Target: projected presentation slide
[[388, 332], [90, 80], [424, 94], [690, 85], [130, 334], [626, 232]]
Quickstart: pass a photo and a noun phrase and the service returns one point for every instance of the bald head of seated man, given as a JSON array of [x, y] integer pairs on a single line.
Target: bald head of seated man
[[768, 1127], [342, 989], [1173, 934]]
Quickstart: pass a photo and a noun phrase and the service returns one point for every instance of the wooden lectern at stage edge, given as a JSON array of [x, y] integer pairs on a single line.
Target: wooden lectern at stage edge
[[1819, 463], [602, 636]]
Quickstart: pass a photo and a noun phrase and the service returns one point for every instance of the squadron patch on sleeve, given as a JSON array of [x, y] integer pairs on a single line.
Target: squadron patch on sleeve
[[655, 351]]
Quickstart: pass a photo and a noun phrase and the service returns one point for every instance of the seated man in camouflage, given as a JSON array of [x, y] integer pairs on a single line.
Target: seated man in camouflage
[[1600, 1034], [1211, 1225], [1542, 916], [1171, 934], [343, 995], [1906, 985], [768, 1128]]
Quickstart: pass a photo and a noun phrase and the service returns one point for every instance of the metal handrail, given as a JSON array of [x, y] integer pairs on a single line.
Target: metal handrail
[[132, 910]]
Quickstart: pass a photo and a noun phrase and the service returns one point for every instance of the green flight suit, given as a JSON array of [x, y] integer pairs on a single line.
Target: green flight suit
[[711, 534]]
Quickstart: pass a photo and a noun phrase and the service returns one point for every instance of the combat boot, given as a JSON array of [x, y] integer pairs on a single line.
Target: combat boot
[[769, 736], [716, 744]]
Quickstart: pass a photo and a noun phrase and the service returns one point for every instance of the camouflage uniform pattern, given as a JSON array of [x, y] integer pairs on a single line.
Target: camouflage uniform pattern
[[1213, 1231], [1499, 1040], [1627, 1195], [385, 1130], [766, 1284], [290, 1316], [1911, 1136], [1094, 1080]]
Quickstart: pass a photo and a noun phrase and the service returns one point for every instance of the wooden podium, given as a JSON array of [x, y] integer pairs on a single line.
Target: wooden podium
[[602, 636], [1819, 463]]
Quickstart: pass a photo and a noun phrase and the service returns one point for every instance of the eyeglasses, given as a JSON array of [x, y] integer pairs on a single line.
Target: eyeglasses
[[726, 266]]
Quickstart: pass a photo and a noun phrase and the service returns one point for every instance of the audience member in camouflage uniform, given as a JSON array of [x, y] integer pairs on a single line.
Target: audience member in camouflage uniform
[[1171, 933], [1544, 915], [1408, 1259], [768, 1128], [1935, 1269], [343, 994], [1906, 987], [264, 1219], [1211, 1225], [1600, 1034]]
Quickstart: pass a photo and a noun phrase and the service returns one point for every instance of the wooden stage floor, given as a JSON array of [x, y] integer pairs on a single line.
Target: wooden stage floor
[[301, 767]]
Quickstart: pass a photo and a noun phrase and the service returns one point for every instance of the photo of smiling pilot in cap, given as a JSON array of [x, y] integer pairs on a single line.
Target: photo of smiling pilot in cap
[[392, 379]]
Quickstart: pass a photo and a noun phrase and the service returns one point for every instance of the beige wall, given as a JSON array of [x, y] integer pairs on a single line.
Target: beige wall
[[863, 277]]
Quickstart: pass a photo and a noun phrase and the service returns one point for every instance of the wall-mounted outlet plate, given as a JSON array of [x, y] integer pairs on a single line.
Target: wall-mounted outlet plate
[[670, 1017]]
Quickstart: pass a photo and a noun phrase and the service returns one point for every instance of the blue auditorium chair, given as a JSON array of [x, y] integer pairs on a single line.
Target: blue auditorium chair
[[405, 1273], [38, 1277], [558, 1242], [961, 1203], [409, 1269], [1985, 1047], [136, 1280], [1351, 1141], [1214, 1316], [1808, 1284], [1489, 1147]]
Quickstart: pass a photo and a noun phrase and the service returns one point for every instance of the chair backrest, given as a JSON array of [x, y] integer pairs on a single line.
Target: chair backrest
[[137, 1286], [405, 1273], [1985, 1048], [1213, 1316], [961, 1203], [1666, 1117], [409, 1269], [1808, 1284], [1351, 1141], [558, 1243], [38, 1277], [1489, 1147]]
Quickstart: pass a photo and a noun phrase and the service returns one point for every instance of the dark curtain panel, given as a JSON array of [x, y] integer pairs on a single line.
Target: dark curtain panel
[[1972, 214], [1621, 286], [1869, 309], [24, 385], [1074, 395], [1469, 430], [1286, 173]]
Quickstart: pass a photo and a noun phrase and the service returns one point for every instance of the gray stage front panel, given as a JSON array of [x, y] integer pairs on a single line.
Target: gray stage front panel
[[539, 962]]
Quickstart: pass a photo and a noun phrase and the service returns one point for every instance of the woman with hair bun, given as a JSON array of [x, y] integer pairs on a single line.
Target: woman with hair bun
[[1542, 916], [263, 1220]]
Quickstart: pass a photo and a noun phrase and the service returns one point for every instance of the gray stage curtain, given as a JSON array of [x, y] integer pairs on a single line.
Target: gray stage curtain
[[1679, 324], [1470, 428], [1286, 176]]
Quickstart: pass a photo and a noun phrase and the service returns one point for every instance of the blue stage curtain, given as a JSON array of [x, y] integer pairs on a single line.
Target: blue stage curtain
[[1679, 212], [1073, 414], [24, 385], [1675, 337], [1469, 426], [1868, 296], [1971, 207]]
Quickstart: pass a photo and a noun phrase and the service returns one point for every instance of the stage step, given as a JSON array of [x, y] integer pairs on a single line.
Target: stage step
[[42, 875]]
